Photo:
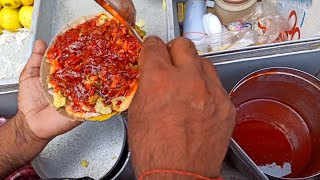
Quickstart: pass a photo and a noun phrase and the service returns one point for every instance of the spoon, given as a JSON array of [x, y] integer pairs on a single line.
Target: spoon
[[124, 11]]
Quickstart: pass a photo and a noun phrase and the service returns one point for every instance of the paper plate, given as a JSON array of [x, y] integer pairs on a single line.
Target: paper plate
[[45, 67]]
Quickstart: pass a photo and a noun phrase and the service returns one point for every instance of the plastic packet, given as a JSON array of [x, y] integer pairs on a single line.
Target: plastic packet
[[244, 39], [269, 23], [215, 42], [265, 25], [274, 29], [226, 40]]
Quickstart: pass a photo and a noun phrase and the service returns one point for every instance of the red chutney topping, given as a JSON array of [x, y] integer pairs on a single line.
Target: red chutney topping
[[94, 60]]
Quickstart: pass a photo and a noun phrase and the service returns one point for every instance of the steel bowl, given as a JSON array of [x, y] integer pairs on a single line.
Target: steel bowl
[[299, 93], [101, 144]]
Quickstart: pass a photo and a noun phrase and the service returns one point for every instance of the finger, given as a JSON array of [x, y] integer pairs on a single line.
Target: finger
[[210, 70], [37, 55], [182, 52], [154, 53]]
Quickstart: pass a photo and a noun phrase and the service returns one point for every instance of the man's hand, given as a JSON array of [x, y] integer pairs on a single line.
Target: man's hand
[[36, 122], [181, 117], [41, 118]]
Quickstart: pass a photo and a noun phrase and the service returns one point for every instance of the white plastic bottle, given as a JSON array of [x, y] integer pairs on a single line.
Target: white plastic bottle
[[193, 26]]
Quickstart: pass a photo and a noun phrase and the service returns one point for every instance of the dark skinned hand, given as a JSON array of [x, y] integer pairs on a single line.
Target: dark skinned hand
[[35, 124], [41, 118], [181, 117]]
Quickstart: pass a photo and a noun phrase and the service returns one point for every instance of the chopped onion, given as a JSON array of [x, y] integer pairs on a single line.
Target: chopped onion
[[51, 92]]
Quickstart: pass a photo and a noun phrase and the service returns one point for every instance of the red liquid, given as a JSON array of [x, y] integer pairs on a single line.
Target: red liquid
[[259, 137], [264, 142], [274, 136]]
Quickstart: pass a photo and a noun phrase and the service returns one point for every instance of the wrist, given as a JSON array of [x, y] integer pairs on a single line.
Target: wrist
[[23, 133], [177, 174], [28, 145], [165, 176], [159, 158], [173, 174], [175, 170], [20, 145]]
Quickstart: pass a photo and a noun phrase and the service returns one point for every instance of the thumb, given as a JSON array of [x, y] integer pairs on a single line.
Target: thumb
[[32, 67]]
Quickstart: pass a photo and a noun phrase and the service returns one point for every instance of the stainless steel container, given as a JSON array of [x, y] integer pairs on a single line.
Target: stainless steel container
[[233, 71], [11, 84], [284, 102], [101, 145]]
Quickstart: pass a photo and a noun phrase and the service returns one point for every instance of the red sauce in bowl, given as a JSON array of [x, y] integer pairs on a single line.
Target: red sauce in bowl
[[274, 136], [278, 121]]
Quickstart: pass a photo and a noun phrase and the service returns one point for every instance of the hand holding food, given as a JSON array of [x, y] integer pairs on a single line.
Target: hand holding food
[[90, 72], [41, 118], [36, 123], [181, 117]]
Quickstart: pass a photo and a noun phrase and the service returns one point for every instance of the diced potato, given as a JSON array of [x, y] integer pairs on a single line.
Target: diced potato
[[69, 110], [103, 18], [59, 100], [102, 108], [50, 86]]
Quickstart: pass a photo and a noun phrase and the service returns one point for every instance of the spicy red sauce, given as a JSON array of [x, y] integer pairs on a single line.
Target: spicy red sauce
[[93, 59], [274, 136], [264, 142]]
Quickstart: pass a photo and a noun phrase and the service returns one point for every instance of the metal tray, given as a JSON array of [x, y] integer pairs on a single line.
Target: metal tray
[[11, 84], [255, 51]]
